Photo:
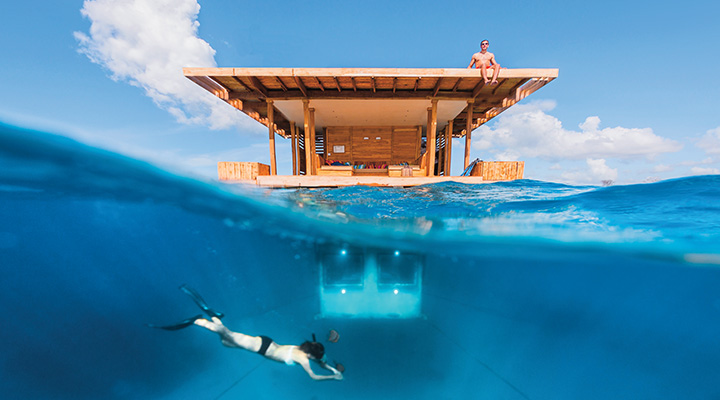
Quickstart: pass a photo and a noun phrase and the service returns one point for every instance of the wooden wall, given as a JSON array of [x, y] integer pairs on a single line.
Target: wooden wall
[[231, 170], [386, 144], [499, 170]]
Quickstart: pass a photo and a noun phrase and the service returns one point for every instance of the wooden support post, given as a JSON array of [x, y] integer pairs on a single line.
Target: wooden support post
[[293, 145], [440, 153], [468, 131], [308, 158], [271, 129], [312, 140], [448, 147], [431, 137]]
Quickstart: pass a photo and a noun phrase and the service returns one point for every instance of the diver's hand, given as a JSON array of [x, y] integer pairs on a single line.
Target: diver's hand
[[336, 374]]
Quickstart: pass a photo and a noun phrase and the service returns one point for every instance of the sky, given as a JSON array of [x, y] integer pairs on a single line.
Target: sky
[[635, 100]]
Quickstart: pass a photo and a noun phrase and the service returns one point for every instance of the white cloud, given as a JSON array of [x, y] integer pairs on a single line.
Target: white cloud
[[704, 171], [661, 168], [710, 143], [600, 170], [528, 131], [147, 43], [597, 171]]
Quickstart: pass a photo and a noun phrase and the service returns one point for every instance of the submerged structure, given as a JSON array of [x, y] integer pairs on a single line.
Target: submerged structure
[[372, 126], [366, 282]]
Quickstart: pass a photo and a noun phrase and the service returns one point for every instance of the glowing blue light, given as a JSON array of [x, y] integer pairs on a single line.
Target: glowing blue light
[[395, 291], [343, 251], [397, 252], [342, 291]]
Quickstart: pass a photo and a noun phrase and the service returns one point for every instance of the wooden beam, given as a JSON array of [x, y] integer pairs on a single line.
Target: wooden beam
[[431, 137], [497, 87], [301, 86], [271, 129], [468, 131], [320, 84], [293, 146], [437, 87], [312, 140], [378, 72], [282, 85], [359, 94], [441, 152], [448, 147], [352, 80], [258, 85], [211, 86], [478, 88], [417, 82], [454, 89], [308, 159], [372, 81], [394, 84], [248, 88], [337, 83]]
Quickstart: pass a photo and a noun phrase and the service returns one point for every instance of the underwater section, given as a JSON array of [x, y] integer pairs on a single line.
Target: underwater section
[[517, 290]]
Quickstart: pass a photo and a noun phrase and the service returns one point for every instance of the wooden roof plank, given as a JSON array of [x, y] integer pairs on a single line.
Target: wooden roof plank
[[204, 83], [282, 85], [436, 89], [301, 86], [320, 84], [457, 83], [258, 85]]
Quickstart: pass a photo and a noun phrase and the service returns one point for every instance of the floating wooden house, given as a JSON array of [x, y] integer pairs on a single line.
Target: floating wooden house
[[368, 126]]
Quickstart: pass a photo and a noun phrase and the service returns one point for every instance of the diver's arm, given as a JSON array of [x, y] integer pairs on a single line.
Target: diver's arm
[[336, 374], [329, 368]]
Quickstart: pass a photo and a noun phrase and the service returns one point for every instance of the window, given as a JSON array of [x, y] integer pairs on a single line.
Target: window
[[343, 268], [398, 268]]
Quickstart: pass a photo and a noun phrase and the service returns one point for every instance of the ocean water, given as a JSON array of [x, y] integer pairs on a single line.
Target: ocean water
[[530, 290]]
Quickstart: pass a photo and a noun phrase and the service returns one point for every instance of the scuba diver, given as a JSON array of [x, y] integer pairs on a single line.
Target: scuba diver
[[262, 345]]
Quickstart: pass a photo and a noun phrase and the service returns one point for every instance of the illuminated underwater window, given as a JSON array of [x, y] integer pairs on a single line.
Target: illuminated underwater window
[[397, 269], [343, 268]]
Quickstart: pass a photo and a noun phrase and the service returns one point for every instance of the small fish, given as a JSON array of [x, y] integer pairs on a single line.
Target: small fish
[[333, 336]]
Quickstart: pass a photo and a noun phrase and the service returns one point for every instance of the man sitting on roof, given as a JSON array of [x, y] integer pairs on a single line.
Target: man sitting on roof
[[485, 60]]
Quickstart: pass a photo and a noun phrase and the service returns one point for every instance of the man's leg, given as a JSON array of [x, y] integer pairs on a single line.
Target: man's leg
[[496, 71], [483, 71]]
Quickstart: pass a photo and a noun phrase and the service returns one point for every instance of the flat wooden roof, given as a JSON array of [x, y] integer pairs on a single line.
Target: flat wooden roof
[[369, 96]]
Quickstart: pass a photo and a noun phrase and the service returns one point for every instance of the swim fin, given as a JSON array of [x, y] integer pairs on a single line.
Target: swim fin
[[200, 302], [178, 326]]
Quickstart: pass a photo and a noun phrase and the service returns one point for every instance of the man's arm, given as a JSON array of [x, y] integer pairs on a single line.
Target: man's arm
[[473, 61]]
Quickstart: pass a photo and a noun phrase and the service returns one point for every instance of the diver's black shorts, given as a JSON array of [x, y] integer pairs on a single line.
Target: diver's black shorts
[[265, 344]]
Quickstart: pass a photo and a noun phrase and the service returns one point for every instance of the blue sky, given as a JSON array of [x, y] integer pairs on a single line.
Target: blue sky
[[635, 101]]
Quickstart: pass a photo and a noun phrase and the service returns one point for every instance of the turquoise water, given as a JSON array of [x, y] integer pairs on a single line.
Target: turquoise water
[[530, 290]]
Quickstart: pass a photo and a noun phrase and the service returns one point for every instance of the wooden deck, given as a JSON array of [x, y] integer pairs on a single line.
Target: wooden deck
[[316, 181], [370, 118]]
